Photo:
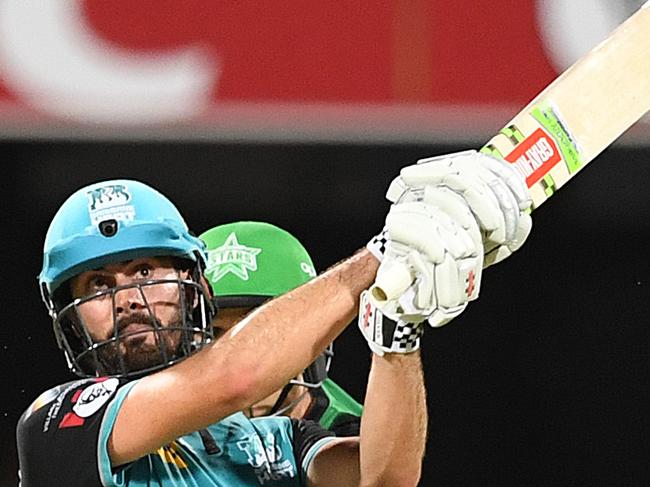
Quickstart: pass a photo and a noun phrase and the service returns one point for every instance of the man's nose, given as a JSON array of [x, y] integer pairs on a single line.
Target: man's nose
[[130, 298]]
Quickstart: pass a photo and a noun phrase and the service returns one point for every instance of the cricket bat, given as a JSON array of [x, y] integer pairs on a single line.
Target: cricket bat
[[571, 121]]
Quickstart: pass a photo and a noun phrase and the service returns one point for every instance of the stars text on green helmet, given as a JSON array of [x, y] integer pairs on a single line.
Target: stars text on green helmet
[[231, 257]]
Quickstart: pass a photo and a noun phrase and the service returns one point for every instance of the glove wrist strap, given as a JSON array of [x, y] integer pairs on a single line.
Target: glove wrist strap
[[384, 334]]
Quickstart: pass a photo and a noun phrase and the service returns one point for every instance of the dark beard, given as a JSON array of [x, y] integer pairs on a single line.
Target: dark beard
[[137, 354]]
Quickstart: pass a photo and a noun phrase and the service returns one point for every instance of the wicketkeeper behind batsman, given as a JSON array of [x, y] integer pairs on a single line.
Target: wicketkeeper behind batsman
[[249, 263]]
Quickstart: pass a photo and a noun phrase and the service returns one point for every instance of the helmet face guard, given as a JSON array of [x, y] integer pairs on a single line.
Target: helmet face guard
[[314, 375], [312, 378], [88, 356], [111, 222]]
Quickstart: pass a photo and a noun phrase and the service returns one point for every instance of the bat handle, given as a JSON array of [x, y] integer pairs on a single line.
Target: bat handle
[[391, 282]]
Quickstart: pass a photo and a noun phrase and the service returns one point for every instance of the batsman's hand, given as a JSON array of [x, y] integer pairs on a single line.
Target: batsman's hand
[[495, 192], [432, 259]]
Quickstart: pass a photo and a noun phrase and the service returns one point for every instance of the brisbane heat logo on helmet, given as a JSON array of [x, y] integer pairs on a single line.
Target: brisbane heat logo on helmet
[[232, 257], [110, 202]]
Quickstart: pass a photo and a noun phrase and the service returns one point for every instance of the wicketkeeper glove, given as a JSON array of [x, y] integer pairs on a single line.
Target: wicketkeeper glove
[[495, 192]]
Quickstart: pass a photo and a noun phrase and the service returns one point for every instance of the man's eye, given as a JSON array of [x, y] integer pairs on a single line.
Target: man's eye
[[98, 284], [145, 271]]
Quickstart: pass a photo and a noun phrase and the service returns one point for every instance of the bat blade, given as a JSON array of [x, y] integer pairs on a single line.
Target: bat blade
[[581, 112], [571, 121]]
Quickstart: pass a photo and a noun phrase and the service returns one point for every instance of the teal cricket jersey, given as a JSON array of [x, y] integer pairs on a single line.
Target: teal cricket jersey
[[62, 440]]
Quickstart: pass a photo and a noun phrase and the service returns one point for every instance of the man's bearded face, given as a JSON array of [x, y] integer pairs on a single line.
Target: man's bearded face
[[139, 323]]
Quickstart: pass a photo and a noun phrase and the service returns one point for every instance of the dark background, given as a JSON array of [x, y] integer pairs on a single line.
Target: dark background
[[542, 381]]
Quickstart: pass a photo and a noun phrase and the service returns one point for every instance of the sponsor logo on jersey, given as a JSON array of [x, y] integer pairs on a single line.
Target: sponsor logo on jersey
[[88, 401], [110, 202], [44, 399], [266, 458], [232, 258], [54, 409], [93, 397], [535, 156]]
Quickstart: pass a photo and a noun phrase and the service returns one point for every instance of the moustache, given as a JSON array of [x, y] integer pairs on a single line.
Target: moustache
[[139, 319]]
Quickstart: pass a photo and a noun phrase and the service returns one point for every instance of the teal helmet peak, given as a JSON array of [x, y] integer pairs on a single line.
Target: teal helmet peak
[[113, 221]]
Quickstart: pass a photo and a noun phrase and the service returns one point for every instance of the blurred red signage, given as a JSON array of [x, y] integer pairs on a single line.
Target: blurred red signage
[[168, 62]]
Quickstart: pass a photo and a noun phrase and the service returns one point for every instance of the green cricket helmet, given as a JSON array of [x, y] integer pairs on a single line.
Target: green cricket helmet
[[251, 262], [110, 222]]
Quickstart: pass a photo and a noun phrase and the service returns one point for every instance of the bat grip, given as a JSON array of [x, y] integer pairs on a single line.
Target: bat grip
[[391, 282]]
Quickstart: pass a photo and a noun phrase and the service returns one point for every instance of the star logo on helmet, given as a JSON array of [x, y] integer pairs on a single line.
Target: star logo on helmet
[[232, 257]]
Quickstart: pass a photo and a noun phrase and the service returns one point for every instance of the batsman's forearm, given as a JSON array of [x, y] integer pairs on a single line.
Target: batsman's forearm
[[287, 334], [394, 421], [254, 359]]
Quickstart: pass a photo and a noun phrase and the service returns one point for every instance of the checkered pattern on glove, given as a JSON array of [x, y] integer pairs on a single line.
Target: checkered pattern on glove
[[384, 334], [377, 244]]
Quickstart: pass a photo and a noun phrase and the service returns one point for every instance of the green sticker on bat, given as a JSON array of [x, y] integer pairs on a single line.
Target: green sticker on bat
[[549, 117], [514, 134], [492, 151]]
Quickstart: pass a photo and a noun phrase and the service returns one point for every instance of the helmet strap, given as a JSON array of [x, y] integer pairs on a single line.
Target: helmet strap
[[281, 398]]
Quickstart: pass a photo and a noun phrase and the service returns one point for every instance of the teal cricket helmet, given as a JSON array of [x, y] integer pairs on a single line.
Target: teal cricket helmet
[[110, 222]]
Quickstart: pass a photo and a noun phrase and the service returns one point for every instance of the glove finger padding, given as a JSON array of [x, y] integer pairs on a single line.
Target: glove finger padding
[[499, 252], [496, 194], [512, 194], [512, 179], [456, 207], [428, 230], [453, 175], [442, 316], [449, 284], [433, 259]]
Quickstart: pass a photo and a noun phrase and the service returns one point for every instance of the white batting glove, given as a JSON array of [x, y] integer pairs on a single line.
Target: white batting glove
[[385, 334], [433, 259], [496, 194]]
